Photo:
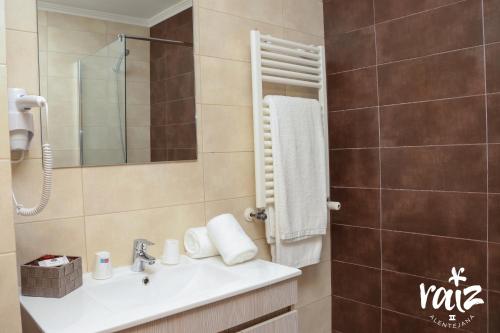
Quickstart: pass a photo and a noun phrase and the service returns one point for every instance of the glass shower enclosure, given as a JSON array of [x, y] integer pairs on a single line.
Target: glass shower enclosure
[[102, 104], [136, 102]]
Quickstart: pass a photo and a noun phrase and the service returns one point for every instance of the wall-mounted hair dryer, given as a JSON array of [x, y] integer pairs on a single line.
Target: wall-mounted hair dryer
[[21, 131]]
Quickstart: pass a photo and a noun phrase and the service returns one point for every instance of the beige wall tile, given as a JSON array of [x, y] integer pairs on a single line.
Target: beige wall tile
[[228, 175], [116, 232], [254, 230], [63, 64], [62, 90], [3, 56], [10, 317], [225, 82], [75, 23], [217, 119], [138, 92], [138, 114], [4, 120], [305, 38], [22, 59], [137, 137], [42, 18], [60, 40], [304, 15], [7, 242], [139, 49], [65, 200], [43, 38], [138, 71], [316, 317], [314, 283], [139, 156], [122, 188], [235, 43], [260, 10], [21, 15], [264, 250], [62, 237], [115, 28]]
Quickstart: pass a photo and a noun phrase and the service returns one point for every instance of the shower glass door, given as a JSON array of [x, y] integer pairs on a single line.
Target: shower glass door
[[102, 102]]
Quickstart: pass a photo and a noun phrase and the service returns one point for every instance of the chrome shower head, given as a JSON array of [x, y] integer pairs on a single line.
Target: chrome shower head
[[116, 67]]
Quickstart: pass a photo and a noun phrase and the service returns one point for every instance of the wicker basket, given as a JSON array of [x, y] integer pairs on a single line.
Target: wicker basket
[[54, 282]]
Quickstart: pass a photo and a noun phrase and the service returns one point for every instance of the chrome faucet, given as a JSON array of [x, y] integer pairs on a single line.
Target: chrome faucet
[[140, 257]]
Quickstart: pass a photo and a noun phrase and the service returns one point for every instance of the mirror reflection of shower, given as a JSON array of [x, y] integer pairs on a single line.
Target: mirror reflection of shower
[[119, 62], [117, 68], [135, 106], [102, 97]]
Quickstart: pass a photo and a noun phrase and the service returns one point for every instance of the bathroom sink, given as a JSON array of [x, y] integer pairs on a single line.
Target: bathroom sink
[[129, 290], [129, 298]]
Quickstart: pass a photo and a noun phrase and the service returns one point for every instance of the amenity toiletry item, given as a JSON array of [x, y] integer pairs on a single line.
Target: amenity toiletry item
[[230, 239], [197, 243], [53, 262], [103, 268], [171, 252], [299, 216]]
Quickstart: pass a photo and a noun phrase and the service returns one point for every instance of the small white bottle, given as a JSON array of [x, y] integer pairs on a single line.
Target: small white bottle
[[103, 268], [171, 252]]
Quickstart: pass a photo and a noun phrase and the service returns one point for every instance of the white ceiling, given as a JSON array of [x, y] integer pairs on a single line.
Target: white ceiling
[[127, 11]]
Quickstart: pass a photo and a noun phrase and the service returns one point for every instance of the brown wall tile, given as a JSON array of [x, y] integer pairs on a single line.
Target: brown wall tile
[[435, 213], [494, 266], [401, 293], [348, 316], [353, 129], [181, 111], [391, 9], [360, 207], [428, 123], [351, 90], [494, 218], [494, 168], [444, 29], [180, 87], [432, 256], [356, 245], [453, 74], [494, 118], [355, 168], [491, 21], [435, 168], [173, 134], [342, 16], [494, 304], [352, 50], [493, 68], [356, 282], [393, 322]]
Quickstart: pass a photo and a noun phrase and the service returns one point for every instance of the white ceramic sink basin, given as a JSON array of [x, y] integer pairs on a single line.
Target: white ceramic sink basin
[[126, 301], [129, 290]]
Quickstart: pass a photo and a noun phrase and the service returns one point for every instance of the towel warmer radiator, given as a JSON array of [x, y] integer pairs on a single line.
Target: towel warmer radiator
[[281, 61]]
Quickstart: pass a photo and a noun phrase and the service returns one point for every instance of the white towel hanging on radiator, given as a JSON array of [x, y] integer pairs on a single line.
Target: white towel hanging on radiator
[[299, 216]]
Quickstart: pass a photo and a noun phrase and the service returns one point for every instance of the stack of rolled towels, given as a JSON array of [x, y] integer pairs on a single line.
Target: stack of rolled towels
[[223, 235]]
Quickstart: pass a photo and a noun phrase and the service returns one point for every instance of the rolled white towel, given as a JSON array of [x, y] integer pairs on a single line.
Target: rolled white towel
[[198, 244], [230, 239]]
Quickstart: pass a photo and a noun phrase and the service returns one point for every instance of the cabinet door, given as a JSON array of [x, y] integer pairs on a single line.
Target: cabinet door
[[286, 323]]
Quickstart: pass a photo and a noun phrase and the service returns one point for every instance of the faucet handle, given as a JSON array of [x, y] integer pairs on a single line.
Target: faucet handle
[[141, 244]]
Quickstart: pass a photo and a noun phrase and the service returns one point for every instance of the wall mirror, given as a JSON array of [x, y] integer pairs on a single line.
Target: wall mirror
[[119, 79]]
